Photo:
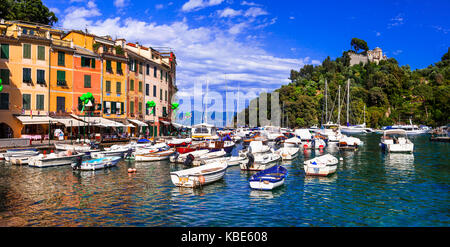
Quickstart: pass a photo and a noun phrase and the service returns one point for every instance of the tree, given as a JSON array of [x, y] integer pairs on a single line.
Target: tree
[[27, 10], [359, 44]]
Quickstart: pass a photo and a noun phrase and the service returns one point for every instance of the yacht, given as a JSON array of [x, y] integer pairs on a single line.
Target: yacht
[[204, 131]]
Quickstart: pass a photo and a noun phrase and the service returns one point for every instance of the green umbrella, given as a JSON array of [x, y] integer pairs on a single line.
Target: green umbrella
[[1, 86], [151, 104], [85, 98]]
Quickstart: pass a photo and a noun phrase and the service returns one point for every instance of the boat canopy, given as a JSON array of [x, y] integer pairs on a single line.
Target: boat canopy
[[395, 132]]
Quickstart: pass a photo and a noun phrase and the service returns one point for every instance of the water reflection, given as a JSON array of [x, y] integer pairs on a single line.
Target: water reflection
[[399, 167]]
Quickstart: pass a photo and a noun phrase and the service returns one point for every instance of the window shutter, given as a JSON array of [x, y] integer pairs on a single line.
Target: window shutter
[[4, 75], [41, 52], [26, 51], [4, 51], [121, 107], [93, 63], [104, 106], [61, 58], [131, 85]]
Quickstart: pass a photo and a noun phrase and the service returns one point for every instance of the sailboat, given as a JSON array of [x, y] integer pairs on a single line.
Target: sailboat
[[330, 130], [354, 129]]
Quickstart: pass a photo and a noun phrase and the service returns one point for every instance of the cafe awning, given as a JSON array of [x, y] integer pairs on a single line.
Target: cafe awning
[[137, 122], [27, 120], [164, 122], [100, 122], [70, 122]]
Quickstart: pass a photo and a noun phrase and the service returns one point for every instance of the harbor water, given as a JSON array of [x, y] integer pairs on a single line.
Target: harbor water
[[370, 188]]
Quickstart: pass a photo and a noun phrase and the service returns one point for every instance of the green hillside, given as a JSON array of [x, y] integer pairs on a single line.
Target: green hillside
[[389, 92]]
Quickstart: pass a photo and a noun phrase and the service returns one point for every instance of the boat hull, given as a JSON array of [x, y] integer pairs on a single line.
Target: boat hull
[[101, 163], [198, 176], [57, 161]]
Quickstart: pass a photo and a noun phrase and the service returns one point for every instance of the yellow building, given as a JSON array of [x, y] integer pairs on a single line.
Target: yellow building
[[25, 65], [61, 77]]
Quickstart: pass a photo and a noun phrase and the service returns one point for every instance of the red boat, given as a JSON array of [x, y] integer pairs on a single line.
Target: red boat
[[191, 148]]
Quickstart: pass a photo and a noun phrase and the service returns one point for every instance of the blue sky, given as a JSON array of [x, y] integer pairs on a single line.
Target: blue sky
[[253, 45]]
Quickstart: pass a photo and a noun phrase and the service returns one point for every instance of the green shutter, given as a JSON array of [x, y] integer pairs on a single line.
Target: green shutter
[[121, 107], [39, 102], [118, 87], [41, 53], [140, 86], [113, 107], [87, 81], [4, 51], [93, 63], [26, 101], [61, 58], [108, 65], [131, 85], [26, 51], [4, 75], [61, 77], [131, 107], [118, 67], [108, 86], [26, 74]]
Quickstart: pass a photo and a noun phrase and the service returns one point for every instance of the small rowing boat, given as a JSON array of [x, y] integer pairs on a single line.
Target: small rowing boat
[[162, 155], [268, 179], [199, 176], [321, 166]]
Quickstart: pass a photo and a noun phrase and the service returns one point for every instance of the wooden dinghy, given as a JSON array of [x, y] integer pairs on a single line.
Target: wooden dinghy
[[199, 176]]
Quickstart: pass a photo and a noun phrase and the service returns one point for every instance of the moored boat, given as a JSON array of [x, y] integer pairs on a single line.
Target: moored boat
[[321, 166], [199, 176], [180, 158], [259, 162], [162, 155], [54, 159], [96, 164], [268, 179], [396, 141], [288, 153]]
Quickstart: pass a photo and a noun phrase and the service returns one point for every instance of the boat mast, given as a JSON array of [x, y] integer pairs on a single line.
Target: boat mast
[[339, 106], [348, 98], [326, 101]]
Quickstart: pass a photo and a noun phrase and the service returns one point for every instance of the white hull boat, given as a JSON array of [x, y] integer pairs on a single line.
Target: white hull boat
[[288, 153], [54, 159], [97, 164], [19, 156], [396, 141], [262, 162], [111, 152], [82, 148], [315, 144], [268, 179], [156, 156], [182, 157], [321, 166], [231, 161], [292, 142], [199, 176]]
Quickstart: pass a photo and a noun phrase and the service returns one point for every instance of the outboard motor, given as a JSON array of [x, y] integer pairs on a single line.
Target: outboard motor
[[189, 159], [251, 160], [77, 165], [129, 153]]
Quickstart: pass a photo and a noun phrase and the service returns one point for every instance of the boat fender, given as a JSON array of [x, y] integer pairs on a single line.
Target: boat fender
[[201, 179], [130, 170]]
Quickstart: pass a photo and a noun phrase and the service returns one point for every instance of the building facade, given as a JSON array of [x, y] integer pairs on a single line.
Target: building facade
[[45, 71]]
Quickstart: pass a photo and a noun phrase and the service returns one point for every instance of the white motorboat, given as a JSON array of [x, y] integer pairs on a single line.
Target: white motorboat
[[231, 161], [19, 156], [396, 141], [79, 148], [199, 176], [321, 166], [116, 151], [179, 142], [288, 153], [303, 134], [258, 147], [97, 164], [204, 131], [182, 157], [292, 142], [54, 159], [356, 129], [349, 142], [151, 148], [162, 155], [261, 161], [316, 143]]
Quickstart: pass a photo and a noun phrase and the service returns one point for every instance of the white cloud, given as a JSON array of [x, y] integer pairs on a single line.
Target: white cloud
[[292, 18], [159, 6], [378, 34], [120, 3], [398, 20], [249, 3], [254, 12], [397, 52], [54, 10], [194, 5], [203, 53], [229, 12]]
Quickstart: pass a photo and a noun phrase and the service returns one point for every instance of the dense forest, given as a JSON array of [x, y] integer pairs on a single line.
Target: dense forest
[[389, 93]]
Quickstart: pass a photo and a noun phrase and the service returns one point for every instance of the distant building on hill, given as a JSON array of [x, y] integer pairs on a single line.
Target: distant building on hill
[[375, 55]]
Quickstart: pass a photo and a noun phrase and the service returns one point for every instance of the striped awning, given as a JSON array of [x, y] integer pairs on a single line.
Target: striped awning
[[27, 120], [137, 122]]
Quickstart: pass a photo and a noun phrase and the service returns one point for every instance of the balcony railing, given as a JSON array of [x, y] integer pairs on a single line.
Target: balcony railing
[[63, 43]]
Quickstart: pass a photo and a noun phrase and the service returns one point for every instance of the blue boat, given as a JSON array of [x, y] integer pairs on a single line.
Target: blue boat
[[96, 164], [268, 179]]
